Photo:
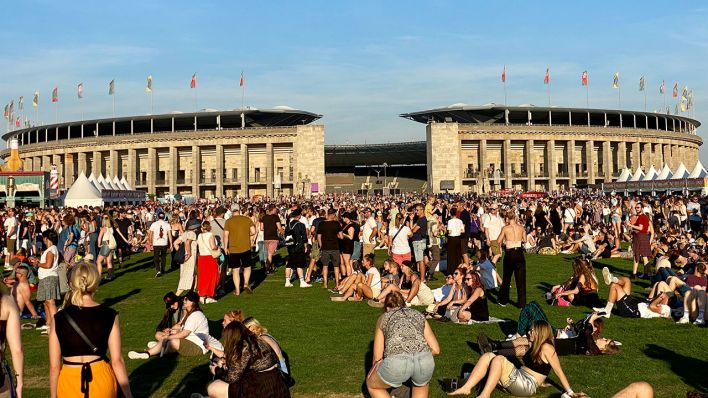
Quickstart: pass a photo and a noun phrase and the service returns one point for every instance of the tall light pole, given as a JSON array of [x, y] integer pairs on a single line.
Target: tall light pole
[[385, 165]]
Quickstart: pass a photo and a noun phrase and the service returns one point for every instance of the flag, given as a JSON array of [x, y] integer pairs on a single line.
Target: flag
[[616, 80], [584, 78], [112, 87], [193, 83], [504, 74], [148, 88], [17, 122], [675, 93], [685, 92], [21, 103], [662, 88], [641, 83], [80, 90], [6, 114], [547, 78], [683, 104], [689, 103], [242, 81], [55, 94], [12, 107]]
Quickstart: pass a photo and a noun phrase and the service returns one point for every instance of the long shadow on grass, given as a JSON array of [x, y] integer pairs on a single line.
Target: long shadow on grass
[[147, 378], [690, 370], [194, 381], [111, 301]]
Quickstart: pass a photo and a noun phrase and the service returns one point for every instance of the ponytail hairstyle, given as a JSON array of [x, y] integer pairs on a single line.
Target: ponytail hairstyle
[[84, 280]]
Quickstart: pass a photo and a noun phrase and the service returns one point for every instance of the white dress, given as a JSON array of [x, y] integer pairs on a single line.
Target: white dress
[[186, 269]]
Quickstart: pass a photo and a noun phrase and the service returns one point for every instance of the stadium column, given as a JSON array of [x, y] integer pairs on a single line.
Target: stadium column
[[97, 167], [68, 169], [81, 163], [636, 160], [530, 166], [219, 171], [551, 167], [174, 169], [590, 160], [507, 163], [646, 156], [269, 169], [659, 157], [244, 170], [570, 148], [667, 154], [621, 155], [114, 162], [482, 168], [196, 170], [607, 160], [132, 155], [152, 171], [46, 166]]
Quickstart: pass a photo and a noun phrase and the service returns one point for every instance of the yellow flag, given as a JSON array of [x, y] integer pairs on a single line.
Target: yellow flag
[[616, 80], [148, 88]]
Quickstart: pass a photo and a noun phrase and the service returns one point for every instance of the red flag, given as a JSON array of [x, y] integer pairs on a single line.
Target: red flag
[[675, 93], [17, 122], [193, 83], [55, 94], [504, 75], [547, 78], [584, 78], [242, 80]]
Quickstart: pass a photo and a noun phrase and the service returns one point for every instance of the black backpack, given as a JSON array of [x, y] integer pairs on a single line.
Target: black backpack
[[293, 241]]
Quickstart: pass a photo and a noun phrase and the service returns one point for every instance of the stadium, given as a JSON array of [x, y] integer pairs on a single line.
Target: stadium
[[281, 151]]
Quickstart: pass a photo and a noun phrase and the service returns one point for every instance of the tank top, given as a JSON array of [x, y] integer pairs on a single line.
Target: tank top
[[403, 332], [538, 367]]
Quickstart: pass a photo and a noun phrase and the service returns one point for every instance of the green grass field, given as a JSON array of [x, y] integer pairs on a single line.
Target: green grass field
[[329, 343]]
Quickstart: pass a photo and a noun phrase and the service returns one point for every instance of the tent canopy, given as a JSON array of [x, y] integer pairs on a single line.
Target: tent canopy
[[83, 193], [680, 173], [699, 171]]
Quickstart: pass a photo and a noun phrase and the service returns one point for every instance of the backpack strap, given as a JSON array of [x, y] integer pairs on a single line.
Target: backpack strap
[[80, 332]]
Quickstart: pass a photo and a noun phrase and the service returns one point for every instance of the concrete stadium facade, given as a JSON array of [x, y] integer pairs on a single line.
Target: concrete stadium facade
[[485, 148], [259, 152]]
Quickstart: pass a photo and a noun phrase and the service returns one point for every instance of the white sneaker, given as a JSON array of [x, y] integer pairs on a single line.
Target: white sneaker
[[598, 309], [138, 355], [683, 321], [151, 344], [699, 322], [43, 327], [607, 276], [338, 298], [288, 283], [209, 300], [305, 284], [8, 267]]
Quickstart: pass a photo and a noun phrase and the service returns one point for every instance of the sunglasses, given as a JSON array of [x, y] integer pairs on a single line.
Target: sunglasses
[[468, 279]]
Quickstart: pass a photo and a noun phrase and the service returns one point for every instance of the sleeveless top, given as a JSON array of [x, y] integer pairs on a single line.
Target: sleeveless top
[[403, 332], [538, 367], [96, 323]]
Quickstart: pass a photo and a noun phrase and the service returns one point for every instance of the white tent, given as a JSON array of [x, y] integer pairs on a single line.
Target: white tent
[[110, 183], [699, 171], [117, 183], [651, 174], [665, 173], [680, 173], [624, 175], [92, 179], [638, 175], [124, 182], [104, 183], [82, 193]]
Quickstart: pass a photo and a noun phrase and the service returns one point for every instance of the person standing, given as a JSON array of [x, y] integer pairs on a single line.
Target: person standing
[[11, 235], [369, 232], [419, 227], [466, 219], [186, 269], [217, 229], [239, 237], [207, 267], [77, 368], [513, 236], [48, 275], [493, 223], [641, 246], [270, 224], [161, 241], [455, 228], [122, 233], [328, 234], [296, 240]]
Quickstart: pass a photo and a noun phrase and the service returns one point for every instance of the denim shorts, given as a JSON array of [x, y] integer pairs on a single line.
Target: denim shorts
[[419, 249], [356, 255], [397, 369]]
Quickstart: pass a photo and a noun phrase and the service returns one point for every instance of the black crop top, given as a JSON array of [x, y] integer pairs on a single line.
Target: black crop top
[[538, 367], [96, 323]]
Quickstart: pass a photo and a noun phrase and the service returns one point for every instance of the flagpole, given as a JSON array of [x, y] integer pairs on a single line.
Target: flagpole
[[56, 112], [114, 104], [505, 91], [619, 97], [152, 106], [195, 98], [587, 95], [645, 100]]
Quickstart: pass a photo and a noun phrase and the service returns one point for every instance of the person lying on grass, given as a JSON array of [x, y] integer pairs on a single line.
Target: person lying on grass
[[628, 306], [538, 362], [186, 337], [412, 288], [367, 285], [692, 292]]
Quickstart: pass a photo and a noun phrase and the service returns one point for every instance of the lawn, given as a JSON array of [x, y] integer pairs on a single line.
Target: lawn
[[329, 343]]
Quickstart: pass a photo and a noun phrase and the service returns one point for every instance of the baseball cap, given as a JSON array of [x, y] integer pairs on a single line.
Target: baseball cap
[[192, 296], [171, 298]]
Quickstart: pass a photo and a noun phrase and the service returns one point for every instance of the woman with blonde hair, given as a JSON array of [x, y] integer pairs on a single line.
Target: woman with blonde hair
[[84, 331], [524, 381], [107, 245], [259, 330]]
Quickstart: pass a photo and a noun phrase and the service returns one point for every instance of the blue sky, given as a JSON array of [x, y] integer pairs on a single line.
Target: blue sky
[[359, 63]]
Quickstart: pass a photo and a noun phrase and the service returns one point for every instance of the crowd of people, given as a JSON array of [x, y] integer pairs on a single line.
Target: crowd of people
[[61, 255]]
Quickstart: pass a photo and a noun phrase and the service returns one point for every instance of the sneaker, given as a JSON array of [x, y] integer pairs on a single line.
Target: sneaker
[[337, 298], [606, 276], [699, 322], [483, 343], [375, 304], [45, 333], [354, 299], [209, 300], [683, 321], [159, 274], [333, 291], [305, 284], [598, 309], [151, 344], [8, 267], [502, 305], [138, 355], [43, 327], [319, 280], [604, 314], [288, 283]]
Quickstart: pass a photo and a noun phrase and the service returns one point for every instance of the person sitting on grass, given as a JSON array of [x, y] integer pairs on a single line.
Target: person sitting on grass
[[229, 316], [581, 288], [456, 296], [628, 306], [367, 285], [391, 274], [173, 314], [186, 337], [538, 362], [487, 271], [256, 328], [250, 370], [412, 288], [475, 307]]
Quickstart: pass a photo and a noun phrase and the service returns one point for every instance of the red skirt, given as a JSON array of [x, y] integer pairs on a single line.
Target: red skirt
[[207, 276], [641, 246]]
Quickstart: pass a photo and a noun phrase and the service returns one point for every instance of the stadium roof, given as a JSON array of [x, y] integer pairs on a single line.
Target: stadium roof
[[177, 121], [405, 153], [495, 113]]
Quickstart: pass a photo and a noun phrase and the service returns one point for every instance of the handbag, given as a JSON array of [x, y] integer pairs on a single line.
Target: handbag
[[63, 278], [111, 239]]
